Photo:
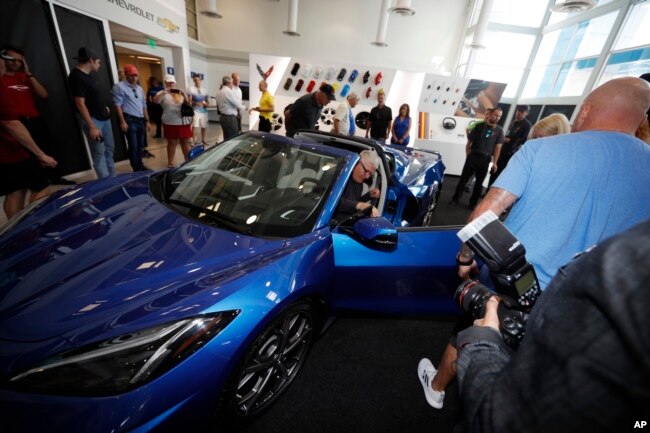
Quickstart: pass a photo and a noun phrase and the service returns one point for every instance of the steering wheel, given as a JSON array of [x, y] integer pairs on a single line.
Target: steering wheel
[[317, 189]]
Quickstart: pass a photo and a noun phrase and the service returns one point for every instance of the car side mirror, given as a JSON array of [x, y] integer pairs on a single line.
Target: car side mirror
[[195, 151], [376, 233]]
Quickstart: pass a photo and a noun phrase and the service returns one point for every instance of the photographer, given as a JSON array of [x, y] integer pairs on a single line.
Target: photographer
[[567, 192], [583, 364]]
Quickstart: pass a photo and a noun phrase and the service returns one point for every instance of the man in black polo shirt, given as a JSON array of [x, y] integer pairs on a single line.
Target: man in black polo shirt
[[92, 102], [515, 138], [304, 113], [381, 117], [483, 146]]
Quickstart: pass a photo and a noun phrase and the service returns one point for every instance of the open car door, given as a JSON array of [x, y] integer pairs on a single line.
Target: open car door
[[416, 276]]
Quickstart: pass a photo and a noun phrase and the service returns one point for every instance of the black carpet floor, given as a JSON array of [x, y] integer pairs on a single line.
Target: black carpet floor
[[361, 375]]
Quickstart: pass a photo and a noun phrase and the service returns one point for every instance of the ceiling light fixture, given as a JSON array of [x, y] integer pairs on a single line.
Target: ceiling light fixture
[[402, 8], [382, 27], [210, 9], [292, 26], [572, 6]]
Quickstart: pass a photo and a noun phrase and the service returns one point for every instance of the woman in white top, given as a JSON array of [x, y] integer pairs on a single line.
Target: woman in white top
[[175, 127]]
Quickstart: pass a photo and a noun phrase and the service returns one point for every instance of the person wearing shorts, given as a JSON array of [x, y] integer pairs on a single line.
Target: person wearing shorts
[[200, 101], [19, 158], [175, 128]]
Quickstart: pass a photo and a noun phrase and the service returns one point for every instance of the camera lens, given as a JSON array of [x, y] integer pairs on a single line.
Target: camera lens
[[472, 296]]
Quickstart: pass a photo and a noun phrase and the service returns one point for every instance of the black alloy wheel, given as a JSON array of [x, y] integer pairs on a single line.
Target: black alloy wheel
[[270, 365]]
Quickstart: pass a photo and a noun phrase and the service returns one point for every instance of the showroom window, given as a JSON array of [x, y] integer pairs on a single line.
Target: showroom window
[[545, 54], [567, 56], [504, 59], [190, 13], [630, 55]]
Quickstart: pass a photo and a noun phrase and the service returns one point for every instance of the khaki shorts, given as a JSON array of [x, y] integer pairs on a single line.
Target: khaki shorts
[[200, 120]]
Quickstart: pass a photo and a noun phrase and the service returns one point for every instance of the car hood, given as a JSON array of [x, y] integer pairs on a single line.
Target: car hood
[[97, 254]]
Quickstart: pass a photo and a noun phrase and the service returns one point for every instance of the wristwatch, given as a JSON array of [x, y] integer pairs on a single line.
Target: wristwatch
[[459, 262]]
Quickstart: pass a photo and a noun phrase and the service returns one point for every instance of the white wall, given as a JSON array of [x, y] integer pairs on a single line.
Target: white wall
[[342, 30], [145, 16]]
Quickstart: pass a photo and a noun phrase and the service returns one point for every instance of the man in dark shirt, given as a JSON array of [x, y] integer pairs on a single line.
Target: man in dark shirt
[[379, 122], [92, 103], [304, 113], [516, 137], [583, 365], [353, 200], [483, 146]]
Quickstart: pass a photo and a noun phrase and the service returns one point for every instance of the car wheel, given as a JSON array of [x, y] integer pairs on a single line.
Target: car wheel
[[428, 216], [269, 366], [276, 121]]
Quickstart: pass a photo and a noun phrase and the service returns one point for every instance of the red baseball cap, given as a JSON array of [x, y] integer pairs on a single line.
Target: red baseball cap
[[130, 70]]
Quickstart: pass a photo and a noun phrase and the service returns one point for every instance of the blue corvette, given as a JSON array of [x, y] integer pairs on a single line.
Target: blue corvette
[[187, 298]]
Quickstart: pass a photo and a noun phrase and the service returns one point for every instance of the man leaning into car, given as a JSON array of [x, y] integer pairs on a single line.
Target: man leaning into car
[[353, 199]]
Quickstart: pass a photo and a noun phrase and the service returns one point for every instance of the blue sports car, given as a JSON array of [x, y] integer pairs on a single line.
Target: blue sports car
[[186, 298]]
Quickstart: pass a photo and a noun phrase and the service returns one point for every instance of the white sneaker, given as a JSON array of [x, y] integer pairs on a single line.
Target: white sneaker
[[426, 373]]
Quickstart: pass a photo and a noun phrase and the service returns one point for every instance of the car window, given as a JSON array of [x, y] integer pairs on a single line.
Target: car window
[[256, 186]]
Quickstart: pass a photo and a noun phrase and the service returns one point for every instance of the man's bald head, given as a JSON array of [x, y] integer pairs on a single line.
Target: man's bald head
[[618, 105]]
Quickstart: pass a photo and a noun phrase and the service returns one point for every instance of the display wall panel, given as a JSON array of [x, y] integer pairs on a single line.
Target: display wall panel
[[567, 110], [28, 24], [78, 30]]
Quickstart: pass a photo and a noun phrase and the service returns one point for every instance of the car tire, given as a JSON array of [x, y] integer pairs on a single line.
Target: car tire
[[269, 366], [429, 214]]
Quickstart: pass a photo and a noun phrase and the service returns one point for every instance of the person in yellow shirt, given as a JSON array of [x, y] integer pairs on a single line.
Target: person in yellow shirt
[[265, 108]]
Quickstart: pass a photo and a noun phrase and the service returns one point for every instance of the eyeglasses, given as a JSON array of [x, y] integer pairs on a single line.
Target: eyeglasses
[[135, 93], [366, 172]]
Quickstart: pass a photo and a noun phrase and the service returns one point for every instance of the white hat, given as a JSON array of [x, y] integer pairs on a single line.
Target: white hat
[[169, 78]]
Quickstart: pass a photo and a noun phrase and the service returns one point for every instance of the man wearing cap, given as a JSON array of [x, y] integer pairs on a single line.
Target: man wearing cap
[[304, 113], [229, 108], [92, 103], [131, 108], [344, 118], [516, 137]]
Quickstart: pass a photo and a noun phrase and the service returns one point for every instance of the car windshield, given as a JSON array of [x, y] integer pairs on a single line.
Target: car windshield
[[259, 186]]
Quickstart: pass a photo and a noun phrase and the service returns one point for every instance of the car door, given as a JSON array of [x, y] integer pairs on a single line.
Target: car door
[[417, 277]]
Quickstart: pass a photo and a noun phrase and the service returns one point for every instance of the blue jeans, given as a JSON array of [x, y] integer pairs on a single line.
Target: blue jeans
[[101, 151], [135, 135]]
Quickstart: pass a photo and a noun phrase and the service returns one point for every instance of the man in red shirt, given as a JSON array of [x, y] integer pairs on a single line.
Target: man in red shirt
[[19, 171], [23, 87]]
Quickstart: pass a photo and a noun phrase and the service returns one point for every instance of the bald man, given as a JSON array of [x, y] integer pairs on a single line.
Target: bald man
[[568, 192]]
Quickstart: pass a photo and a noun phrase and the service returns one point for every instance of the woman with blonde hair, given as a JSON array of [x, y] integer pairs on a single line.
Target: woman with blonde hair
[[175, 128], [554, 124]]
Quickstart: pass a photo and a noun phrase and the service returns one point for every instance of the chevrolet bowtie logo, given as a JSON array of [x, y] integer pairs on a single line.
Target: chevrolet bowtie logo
[[168, 25]]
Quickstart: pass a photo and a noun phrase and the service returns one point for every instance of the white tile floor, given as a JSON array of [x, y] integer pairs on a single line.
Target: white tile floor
[[157, 146]]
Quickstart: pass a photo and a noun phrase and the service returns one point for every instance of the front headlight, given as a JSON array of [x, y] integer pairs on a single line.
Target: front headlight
[[125, 362]]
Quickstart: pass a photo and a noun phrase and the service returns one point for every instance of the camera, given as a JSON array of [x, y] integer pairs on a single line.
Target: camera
[[505, 256], [514, 278], [472, 298]]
